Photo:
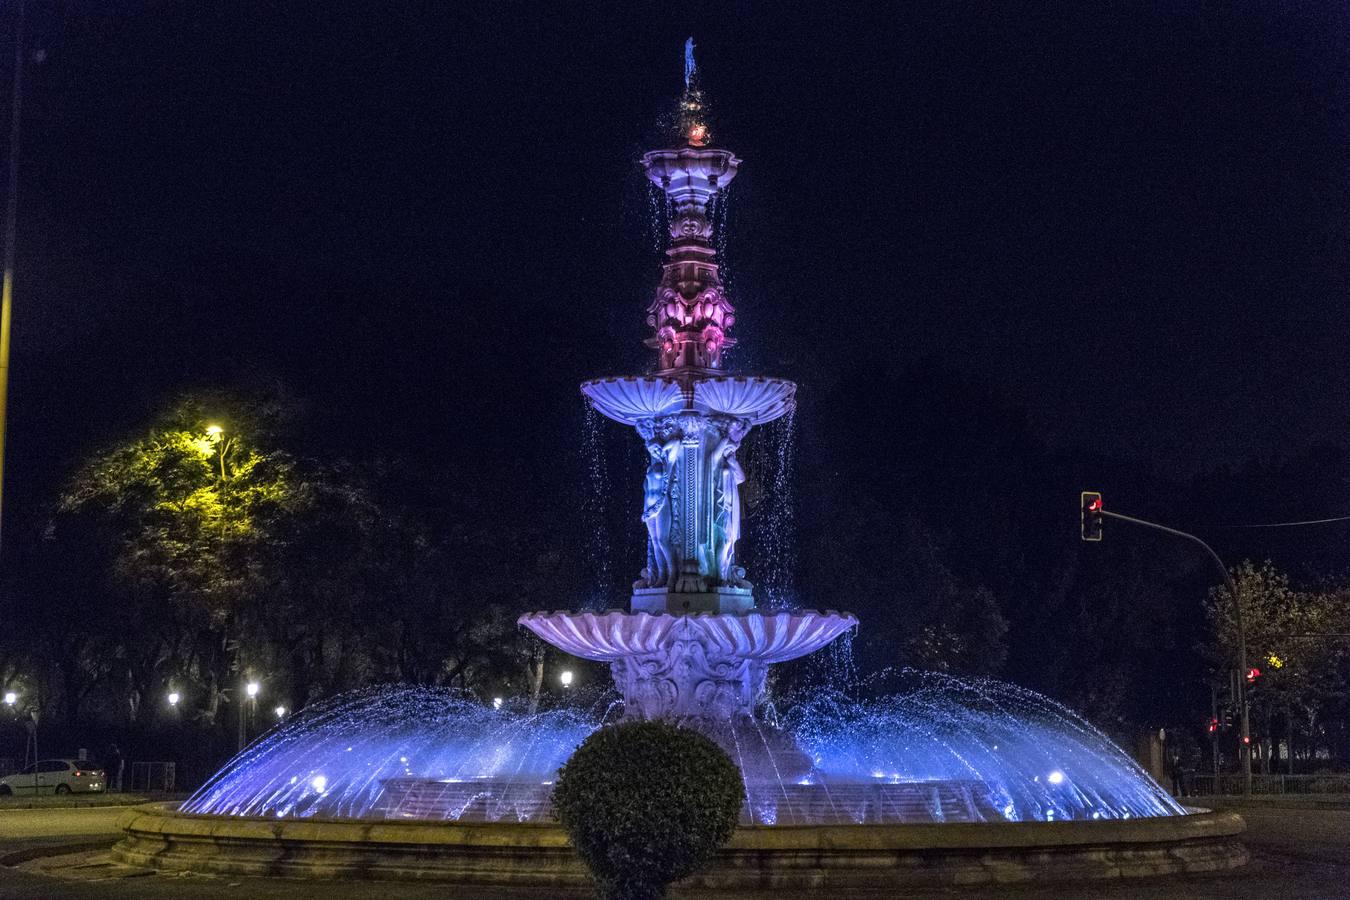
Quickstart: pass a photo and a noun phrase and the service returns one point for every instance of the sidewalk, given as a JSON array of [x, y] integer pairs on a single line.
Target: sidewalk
[[1272, 801], [79, 801]]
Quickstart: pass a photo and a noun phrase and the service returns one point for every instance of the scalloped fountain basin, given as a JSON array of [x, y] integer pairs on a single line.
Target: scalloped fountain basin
[[762, 637], [706, 668], [754, 398]]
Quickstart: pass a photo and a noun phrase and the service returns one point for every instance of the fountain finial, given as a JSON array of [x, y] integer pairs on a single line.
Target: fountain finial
[[691, 317], [693, 122]]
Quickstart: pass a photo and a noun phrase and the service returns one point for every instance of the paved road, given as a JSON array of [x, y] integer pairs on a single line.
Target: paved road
[[1297, 854]]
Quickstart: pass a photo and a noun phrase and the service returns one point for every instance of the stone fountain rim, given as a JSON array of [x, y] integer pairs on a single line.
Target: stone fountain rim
[[705, 614], [789, 856], [1196, 822], [688, 374], [689, 152]]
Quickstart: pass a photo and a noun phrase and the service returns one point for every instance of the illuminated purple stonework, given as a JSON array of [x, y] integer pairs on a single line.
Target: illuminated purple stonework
[[693, 648], [691, 415], [707, 666]]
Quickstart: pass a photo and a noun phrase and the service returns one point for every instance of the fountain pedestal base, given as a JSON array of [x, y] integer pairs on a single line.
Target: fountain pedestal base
[[660, 600]]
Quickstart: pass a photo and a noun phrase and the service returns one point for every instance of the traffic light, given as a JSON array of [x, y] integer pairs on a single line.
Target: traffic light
[[1226, 720], [1213, 725], [1252, 674], [1092, 515]]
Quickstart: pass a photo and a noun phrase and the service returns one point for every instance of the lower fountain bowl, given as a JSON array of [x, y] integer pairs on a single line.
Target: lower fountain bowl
[[527, 855]]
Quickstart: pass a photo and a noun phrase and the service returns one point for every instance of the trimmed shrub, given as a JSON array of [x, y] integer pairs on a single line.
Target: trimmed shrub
[[645, 804]]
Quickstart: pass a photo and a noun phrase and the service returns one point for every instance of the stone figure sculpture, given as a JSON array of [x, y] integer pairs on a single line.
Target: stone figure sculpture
[[658, 516], [728, 512]]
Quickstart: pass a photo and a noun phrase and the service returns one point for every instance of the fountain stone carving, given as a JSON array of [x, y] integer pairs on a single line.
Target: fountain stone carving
[[694, 646]]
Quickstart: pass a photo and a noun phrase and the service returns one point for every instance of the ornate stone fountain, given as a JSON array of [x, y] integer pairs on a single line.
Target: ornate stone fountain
[[693, 647], [409, 782]]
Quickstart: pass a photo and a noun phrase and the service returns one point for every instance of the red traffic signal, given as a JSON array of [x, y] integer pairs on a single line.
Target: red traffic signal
[[1253, 674], [1213, 725], [1091, 507]]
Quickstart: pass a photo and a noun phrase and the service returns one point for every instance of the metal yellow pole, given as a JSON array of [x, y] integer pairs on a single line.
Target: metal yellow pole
[[11, 227]]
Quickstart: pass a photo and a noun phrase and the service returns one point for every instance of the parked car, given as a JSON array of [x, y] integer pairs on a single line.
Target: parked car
[[56, 776]]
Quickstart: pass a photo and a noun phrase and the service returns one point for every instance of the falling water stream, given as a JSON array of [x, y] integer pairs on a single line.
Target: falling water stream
[[595, 513], [772, 531], [940, 749]]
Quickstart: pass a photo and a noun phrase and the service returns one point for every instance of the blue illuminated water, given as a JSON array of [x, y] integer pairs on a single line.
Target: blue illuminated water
[[940, 749]]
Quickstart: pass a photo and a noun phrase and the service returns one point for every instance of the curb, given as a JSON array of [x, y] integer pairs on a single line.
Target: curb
[[18, 857]]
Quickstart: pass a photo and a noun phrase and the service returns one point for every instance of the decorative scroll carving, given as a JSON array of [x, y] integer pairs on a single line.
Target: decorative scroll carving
[[690, 314], [706, 668]]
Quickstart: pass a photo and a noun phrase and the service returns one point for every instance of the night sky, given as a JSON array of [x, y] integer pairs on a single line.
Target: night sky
[[427, 219]]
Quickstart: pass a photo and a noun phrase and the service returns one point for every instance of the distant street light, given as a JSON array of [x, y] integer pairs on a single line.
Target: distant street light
[[174, 698], [11, 698], [497, 702], [214, 430], [251, 689], [566, 677], [280, 711]]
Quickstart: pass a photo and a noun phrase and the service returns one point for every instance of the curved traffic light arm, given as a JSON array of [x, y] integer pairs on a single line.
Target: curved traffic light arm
[[1100, 510]]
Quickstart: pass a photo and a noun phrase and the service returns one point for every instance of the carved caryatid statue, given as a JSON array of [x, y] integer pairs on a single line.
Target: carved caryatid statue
[[727, 524], [658, 514]]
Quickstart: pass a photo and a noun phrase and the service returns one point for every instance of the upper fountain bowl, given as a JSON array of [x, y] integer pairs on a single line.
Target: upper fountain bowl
[[630, 399], [697, 170]]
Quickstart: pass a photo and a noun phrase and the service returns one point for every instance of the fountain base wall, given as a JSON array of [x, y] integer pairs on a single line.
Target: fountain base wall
[[826, 857]]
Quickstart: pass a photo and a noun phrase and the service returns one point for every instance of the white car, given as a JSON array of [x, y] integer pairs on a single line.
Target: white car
[[56, 776]]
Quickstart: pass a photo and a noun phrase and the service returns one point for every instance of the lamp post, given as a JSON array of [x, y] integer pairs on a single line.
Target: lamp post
[[249, 691], [566, 678], [29, 713], [11, 231], [223, 444], [216, 435]]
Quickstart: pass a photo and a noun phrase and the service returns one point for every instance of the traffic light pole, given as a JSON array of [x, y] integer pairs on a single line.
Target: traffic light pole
[[1246, 739]]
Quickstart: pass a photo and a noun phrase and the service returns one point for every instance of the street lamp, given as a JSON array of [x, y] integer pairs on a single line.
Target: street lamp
[[30, 719], [497, 702], [174, 698], [251, 690], [566, 678], [280, 711]]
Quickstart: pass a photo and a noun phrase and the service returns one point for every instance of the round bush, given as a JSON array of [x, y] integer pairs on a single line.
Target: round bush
[[646, 803]]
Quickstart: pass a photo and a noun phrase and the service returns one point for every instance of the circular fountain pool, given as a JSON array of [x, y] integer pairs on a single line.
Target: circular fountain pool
[[942, 749], [947, 781]]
